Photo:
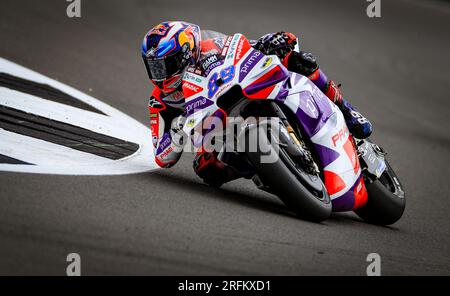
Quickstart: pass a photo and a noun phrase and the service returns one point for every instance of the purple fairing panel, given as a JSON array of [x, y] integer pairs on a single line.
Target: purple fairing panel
[[321, 80], [197, 104], [277, 74], [249, 63], [313, 110], [327, 155], [282, 94], [284, 90], [346, 202], [163, 143], [213, 66]]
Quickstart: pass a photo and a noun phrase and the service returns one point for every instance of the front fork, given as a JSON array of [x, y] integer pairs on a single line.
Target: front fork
[[290, 139], [294, 143]]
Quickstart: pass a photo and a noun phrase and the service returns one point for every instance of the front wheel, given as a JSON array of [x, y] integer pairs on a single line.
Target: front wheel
[[386, 202], [303, 193]]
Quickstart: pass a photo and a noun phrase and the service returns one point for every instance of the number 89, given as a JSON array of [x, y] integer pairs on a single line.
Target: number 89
[[226, 75]]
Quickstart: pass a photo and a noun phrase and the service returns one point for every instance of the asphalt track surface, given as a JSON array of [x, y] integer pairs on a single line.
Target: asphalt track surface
[[396, 69]]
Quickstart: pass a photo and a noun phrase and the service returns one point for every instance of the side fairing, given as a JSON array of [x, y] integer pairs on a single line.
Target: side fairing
[[324, 124]]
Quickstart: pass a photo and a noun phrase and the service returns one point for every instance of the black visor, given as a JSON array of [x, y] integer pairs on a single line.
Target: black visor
[[162, 68]]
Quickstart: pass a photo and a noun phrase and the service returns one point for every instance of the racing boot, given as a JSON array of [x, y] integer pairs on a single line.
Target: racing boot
[[358, 125], [211, 170]]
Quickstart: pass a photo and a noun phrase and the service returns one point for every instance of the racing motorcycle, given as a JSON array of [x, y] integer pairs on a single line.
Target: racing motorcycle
[[320, 166]]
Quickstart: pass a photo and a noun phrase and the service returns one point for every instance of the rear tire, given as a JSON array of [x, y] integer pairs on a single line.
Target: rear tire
[[386, 203]]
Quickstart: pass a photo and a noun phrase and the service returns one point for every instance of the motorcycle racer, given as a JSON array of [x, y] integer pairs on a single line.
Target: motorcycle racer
[[171, 47]]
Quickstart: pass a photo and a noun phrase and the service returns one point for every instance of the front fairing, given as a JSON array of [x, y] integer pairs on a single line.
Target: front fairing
[[240, 65]]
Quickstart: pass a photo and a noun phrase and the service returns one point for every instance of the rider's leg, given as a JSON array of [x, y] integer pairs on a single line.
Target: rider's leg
[[217, 172], [358, 125]]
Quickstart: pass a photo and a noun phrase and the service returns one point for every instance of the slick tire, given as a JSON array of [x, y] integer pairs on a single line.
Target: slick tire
[[302, 193], [386, 203]]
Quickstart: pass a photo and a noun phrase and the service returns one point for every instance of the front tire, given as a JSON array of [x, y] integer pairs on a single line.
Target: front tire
[[304, 194], [386, 203]]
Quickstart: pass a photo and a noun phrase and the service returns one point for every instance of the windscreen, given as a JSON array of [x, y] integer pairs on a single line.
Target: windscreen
[[209, 34]]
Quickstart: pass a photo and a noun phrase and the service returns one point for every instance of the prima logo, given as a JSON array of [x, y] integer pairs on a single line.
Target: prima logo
[[212, 67], [197, 104], [249, 63], [165, 143]]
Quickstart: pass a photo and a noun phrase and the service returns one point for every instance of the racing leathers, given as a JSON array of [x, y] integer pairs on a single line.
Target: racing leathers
[[167, 109]]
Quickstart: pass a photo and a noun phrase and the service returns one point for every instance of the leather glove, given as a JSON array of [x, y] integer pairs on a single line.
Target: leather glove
[[280, 44]]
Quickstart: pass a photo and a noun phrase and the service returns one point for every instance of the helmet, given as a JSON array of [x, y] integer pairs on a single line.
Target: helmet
[[167, 50]]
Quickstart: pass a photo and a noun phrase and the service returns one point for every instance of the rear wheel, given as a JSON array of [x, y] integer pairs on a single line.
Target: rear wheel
[[386, 202]]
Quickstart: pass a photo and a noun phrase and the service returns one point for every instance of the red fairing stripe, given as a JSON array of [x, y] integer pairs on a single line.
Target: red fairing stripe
[[333, 182], [190, 89], [161, 164], [350, 150], [361, 195], [242, 48], [314, 76], [286, 60]]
